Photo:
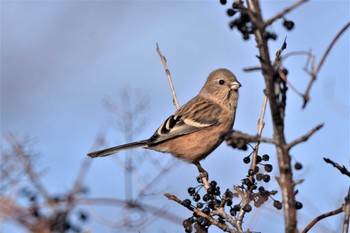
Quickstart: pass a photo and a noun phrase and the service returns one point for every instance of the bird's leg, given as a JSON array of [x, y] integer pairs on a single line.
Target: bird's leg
[[203, 175]]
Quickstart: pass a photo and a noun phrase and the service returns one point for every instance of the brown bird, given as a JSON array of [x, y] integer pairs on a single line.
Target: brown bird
[[195, 129]]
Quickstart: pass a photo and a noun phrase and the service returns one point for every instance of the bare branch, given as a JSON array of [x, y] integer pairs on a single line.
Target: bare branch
[[304, 137], [284, 12], [235, 135], [322, 216], [250, 69], [342, 169], [317, 70], [163, 59]]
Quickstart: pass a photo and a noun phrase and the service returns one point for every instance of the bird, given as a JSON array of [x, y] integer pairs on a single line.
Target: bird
[[196, 129]]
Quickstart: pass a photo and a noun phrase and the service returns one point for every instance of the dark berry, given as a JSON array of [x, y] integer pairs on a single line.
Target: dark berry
[[205, 197], [187, 202], [285, 71], [199, 205], [236, 207], [232, 212], [213, 183], [251, 172], [191, 190], [265, 157], [298, 205], [246, 36], [298, 166], [258, 159], [200, 220], [223, 2], [261, 189], [277, 204], [83, 216], [217, 191], [268, 167], [246, 160], [196, 197], [247, 207], [228, 202], [266, 178], [231, 12], [206, 210], [288, 24]]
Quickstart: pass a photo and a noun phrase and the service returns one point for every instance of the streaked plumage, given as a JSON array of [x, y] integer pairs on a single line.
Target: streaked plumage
[[195, 129]]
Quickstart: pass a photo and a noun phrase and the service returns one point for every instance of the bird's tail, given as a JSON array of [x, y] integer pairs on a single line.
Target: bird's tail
[[116, 149]]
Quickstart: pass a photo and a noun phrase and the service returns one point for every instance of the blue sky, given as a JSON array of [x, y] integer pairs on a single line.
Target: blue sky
[[60, 59]]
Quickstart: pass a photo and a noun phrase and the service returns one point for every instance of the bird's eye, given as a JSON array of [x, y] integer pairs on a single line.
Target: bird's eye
[[221, 82]]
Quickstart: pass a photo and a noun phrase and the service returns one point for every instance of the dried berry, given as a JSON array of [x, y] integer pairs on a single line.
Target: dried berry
[[268, 167], [223, 2], [236, 207], [277, 204], [265, 157], [247, 207]]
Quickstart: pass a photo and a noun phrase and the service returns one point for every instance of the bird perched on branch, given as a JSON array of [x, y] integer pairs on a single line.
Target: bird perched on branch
[[196, 128]]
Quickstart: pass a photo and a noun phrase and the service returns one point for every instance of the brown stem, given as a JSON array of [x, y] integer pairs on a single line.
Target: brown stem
[[285, 179]]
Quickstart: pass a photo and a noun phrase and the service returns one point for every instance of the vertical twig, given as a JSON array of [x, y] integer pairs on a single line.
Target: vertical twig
[[285, 179], [167, 72]]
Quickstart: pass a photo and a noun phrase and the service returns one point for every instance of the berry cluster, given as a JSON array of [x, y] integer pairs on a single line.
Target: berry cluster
[[259, 193], [241, 20], [207, 203]]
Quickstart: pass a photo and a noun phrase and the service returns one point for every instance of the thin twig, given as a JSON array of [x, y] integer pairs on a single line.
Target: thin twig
[[223, 227], [322, 216], [342, 169], [317, 70], [304, 137], [246, 137], [250, 69], [282, 13], [167, 72]]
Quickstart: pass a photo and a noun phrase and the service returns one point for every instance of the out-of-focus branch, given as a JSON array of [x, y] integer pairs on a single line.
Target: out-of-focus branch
[[23, 157]]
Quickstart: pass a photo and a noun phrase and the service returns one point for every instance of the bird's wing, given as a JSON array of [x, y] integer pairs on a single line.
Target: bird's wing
[[192, 117]]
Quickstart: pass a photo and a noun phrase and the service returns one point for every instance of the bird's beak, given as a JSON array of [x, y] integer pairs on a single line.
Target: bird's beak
[[235, 85]]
